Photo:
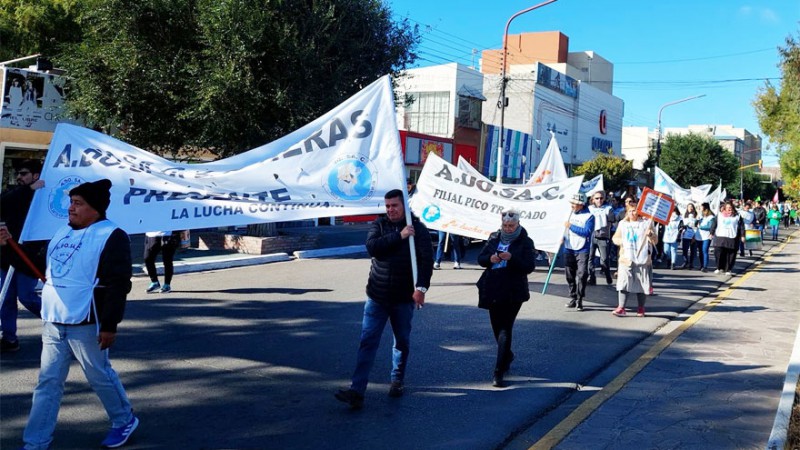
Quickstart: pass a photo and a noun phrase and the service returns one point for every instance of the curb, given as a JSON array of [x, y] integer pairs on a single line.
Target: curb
[[780, 427], [215, 264], [324, 252]]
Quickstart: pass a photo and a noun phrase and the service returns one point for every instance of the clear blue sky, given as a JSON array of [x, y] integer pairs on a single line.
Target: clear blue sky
[[661, 50]]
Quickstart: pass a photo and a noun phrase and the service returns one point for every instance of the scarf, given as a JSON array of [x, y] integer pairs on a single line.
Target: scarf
[[506, 238]]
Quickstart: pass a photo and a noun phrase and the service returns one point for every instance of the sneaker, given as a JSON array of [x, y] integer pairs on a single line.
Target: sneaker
[[154, 287], [456, 266], [351, 397], [640, 312], [572, 303], [729, 273], [436, 266], [716, 271], [165, 289], [619, 312], [396, 389], [117, 437], [7, 346]]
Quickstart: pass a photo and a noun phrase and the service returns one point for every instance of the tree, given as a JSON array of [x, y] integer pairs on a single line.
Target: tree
[[227, 75], [29, 27], [695, 159], [617, 172], [778, 111]]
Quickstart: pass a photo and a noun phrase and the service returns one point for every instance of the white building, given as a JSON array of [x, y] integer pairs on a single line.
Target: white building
[[552, 90], [439, 111]]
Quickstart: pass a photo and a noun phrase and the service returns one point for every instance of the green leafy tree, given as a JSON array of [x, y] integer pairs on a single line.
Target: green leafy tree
[[695, 159], [29, 27], [778, 111], [227, 75], [617, 172]]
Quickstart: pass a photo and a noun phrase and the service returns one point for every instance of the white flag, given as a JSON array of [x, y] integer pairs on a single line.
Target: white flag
[[593, 185], [551, 168], [340, 164]]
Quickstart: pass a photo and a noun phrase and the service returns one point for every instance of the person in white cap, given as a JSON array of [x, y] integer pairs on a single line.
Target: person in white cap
[[577, 243]]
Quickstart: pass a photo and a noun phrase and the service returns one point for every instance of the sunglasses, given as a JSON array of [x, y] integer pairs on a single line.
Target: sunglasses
[[509, 215], [24, 172], [598, 198]]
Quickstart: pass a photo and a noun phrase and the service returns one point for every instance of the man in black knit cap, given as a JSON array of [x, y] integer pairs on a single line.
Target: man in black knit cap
[[88, 280]]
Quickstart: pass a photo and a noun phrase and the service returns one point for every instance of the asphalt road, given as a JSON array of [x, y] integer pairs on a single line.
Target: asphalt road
[[249, 358]]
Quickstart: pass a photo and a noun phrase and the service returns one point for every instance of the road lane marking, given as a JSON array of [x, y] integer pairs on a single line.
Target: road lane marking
[[587, 408]]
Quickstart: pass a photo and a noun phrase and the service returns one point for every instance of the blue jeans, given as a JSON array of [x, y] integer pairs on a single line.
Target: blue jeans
[[22, 287], [774, 232], [454, 247], [375, 317], [671, 250], [59, 344], [704, 253]]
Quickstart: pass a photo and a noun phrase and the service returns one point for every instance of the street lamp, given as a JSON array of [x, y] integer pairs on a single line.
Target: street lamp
[[742, 167], [658, 141], [503, 82]]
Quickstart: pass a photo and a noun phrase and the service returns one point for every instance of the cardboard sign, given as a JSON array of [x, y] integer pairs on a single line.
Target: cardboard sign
[[656, 206]]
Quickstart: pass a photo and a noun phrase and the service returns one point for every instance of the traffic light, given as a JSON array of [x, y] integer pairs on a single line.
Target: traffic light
[[760, 164]]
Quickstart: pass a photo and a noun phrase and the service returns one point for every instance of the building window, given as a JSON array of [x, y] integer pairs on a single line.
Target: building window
[[428, 112], [469, 112]]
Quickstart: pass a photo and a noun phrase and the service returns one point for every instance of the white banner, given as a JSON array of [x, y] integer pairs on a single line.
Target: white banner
[[464, 203], [695, 194], [340, 164]]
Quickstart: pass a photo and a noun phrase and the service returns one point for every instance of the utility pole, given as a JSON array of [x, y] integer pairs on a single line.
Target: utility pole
[[503, 101]]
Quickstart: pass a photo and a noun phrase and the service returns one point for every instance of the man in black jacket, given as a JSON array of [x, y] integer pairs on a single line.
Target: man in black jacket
[[392, 294], [14, 206], [88, 280]]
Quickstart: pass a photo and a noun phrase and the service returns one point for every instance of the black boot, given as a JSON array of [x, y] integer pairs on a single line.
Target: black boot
[[503, 359], [571, 303], [580, 304], [497, 379], [592, 280]]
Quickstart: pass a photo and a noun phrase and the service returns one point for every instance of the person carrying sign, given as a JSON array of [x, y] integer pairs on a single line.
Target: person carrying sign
[[392, 294], [636, 239], [88, 279], [577, 243]]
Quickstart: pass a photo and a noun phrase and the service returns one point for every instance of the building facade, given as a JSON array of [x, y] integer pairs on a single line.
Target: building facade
[[552, 92], [439, 111]]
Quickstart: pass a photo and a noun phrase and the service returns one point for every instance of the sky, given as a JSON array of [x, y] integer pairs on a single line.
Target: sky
[[662, 51]]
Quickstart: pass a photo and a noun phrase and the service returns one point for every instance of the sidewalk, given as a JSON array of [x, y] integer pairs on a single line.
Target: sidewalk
[[711, 380]]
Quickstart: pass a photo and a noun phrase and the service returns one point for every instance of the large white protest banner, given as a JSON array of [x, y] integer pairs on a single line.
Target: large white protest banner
[[462, 202], [695, 194], [340, 164]]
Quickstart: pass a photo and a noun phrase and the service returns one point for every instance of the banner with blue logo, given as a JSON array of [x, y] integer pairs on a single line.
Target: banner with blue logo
[[340, 164], [459, 200]]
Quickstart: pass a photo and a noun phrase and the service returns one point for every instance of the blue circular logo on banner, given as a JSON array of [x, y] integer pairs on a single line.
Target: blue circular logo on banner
[[351, 179], [58, 202], [431, 213]]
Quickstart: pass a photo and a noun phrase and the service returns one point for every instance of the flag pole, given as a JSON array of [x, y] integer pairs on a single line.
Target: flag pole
[[555, 256]]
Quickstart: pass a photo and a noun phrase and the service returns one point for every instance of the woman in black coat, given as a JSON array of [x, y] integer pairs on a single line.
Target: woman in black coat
[[508, 257]]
